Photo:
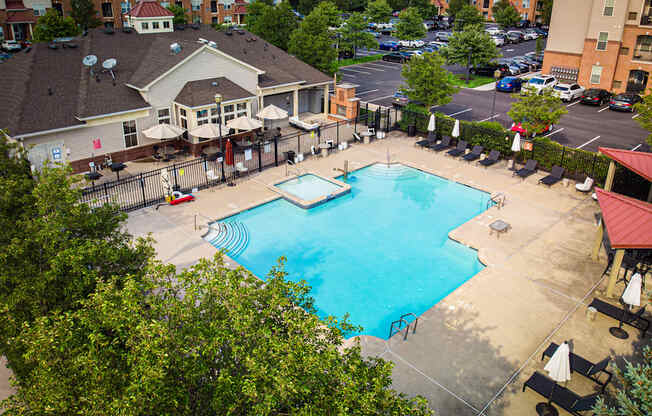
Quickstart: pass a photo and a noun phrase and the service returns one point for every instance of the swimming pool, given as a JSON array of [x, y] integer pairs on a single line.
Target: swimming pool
[[308, 187], [378, 252]]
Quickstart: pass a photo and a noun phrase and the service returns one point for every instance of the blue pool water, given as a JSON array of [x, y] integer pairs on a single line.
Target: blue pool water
[[375, 253], [308, 187]]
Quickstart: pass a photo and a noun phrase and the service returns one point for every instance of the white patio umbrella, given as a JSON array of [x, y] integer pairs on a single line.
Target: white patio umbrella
[[244, 123], [431, 127], [206, 131], [163, 131], [456, 129], [272, 112], [165, 182], [631, 297], [559, 370]]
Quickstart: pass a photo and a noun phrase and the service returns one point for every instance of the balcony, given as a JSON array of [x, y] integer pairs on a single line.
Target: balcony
[[643, 49], [646, 16]]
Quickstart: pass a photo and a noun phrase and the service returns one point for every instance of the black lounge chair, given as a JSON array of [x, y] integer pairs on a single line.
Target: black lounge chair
[[583, 366], [443, 145], [559, 395], [432, 138], [475, 153], [529, 169], [493, 157], [635, 320], [555, 176], [459, 150]]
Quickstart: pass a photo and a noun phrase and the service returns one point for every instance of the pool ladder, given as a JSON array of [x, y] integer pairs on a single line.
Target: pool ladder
[[498, 199], [397, 325], [299, 170]]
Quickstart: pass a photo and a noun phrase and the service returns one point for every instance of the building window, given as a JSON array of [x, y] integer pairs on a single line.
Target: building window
[[40, 11], [617, 84], [624, 51], [179, 3], [214, 20], [213, 6], [166, 25], [227, 6], [643, 49], [526, 4], [58, 7], [202, 117], [124, 7], [227, 19], [241, 109], [646, 16], [107, 10], [129, 133], [632, 16], [154, 25], [608, 7], [602, 41], [485, 4], [165, 4], [596, 73], [144, 25], [215, 118], [164, 116]]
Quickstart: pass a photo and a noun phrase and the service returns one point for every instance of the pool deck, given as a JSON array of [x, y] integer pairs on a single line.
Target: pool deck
[[471, 352]]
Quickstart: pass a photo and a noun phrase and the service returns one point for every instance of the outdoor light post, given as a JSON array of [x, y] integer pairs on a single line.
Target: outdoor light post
[[218, 101], [497, 75]]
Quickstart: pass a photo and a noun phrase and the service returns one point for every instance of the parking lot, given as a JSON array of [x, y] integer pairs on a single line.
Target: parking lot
[[584, 127]]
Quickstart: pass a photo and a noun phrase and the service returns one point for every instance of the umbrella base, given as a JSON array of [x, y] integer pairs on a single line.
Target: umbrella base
[[618, 332], [546, 409]]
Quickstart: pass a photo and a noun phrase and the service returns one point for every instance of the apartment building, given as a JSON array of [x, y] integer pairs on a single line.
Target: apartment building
[[528, 9], [18, 17], [601, 44]]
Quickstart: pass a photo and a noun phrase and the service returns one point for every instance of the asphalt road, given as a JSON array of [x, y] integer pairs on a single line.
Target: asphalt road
[[584, 127]]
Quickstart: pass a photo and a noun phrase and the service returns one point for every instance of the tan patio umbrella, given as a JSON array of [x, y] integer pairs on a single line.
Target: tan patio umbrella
[[206, 131], [244, 123], [272, 112], [163, 131]]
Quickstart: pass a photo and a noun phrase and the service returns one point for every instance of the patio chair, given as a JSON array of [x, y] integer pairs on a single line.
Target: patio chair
[[493, 157], [556, 174], [459, 150], [635, 320], [475, 153], [432, 138], [357, 137], [240, 168], [586, 186], [583, 366], [568, 400], [443, 145], [529, 169], [315, 150], [211, 176]]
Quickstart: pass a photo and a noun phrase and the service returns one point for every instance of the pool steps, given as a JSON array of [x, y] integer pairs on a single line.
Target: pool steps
[[230, 236]]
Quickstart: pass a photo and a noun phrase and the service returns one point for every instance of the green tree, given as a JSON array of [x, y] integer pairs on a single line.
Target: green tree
[[84, 13], [56, 250], [352, 35], [634, 392], [537, 111], [378, 11], [332, 13], [546, 11], [538, 45], [410, 25], [312, 41], [505, 14], [399, 4], [351, 5], [180, 17], [455, 6], [470, 47], [275, 24], [467, 16], [53, 25], [644, 111], [306, 6], [427, 80], [207, 341]]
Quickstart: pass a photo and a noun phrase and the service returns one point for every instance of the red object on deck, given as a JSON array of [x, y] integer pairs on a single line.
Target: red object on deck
[[229, 152], [628, 221], [185, 198]]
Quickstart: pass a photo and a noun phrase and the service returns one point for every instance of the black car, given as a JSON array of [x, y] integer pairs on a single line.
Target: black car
[[345, 53], [395, 57], [490, 68], [595, 96], [624, 102], [514, 37]]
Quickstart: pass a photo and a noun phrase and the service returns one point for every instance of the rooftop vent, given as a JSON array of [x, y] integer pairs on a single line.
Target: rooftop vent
[[202, 40], [175, 48], [214, 83], [212, 44]]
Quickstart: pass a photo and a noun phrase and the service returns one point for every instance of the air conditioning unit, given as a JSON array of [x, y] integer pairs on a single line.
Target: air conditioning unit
[[212, 44], [175, 48]]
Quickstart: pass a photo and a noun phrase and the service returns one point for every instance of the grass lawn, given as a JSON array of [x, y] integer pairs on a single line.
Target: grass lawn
[[474, 81], [361, 60]]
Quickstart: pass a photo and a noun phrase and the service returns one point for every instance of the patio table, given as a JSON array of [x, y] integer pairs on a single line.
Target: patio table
[[93, 176], [499, 226], [117, 167]]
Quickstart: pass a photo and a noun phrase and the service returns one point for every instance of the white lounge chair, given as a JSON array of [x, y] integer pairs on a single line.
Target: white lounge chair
[[586, 186], [240, 168], [356, 137], [298, 158], [211, 176]]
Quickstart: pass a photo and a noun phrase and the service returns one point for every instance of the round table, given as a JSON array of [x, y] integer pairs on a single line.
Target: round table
[[117, 167], [210, 150], [93, 176]]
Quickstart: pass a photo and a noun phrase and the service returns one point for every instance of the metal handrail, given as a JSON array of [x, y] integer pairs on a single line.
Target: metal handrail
[[416, 320], [407, 328]]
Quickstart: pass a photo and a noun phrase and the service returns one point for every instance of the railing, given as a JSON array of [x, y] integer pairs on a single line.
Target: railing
[[397, 325]]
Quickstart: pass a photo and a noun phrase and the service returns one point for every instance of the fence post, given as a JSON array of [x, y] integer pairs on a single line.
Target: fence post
[[142, 188], [355, 120], [595, 157], [106, 192], [260, 157], [337, 129], [176, 183], [276, 151], [563, 150], [299, 143]]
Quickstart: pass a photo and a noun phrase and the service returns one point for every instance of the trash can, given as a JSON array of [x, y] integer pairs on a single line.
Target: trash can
[[291, 155], [412, 131]]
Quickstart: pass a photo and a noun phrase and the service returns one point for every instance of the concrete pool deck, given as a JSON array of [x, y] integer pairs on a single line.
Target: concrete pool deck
[[473, 350]]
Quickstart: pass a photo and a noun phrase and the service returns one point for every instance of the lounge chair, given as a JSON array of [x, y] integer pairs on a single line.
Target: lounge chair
[[356, 137], [583, 366], [529, 169], [635, 320], [559, 395], [459, 150], [493, 157], [432, 138], [443, 145], [240, 168], [555, 176], [315, 150], [586, 186], [475, 154]]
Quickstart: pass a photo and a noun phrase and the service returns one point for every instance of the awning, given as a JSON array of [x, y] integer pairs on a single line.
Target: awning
[[628, 221], [22, 16], [638, 162]]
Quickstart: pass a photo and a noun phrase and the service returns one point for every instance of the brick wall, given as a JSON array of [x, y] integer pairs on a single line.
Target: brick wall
[[606, 59]]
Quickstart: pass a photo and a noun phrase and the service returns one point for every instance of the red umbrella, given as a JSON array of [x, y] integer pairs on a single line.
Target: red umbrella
[[229, 152]]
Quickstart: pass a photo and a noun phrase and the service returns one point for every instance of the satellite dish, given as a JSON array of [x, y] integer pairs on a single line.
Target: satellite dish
[[89, 60], [109, 63]]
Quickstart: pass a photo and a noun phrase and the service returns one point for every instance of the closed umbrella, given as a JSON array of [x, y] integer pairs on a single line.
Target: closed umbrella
[[631, 297], [456, 129], [244, 123], [229, 152], [516, 147], [163, 131], [431, 127], [165, 182], [559, 370]]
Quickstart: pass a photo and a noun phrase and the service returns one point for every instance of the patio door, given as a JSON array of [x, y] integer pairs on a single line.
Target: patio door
[[637, 81]]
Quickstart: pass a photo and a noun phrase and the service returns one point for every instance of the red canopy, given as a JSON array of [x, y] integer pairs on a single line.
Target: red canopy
[[638, 162], [628, 221]]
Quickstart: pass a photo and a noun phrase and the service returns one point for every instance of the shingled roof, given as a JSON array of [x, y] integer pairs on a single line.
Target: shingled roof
[[27, 79], [202, 92], [149, 8]]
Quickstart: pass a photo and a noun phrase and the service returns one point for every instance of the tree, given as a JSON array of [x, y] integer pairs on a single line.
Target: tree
[[537, 112], [378, 11], [84, 14], [455, 6], [331, 12], [546, 11], [55, 250], [351, 5], [427, 80], [470, 47], [467, 16], [207, 341], [179, 14], [275, 24], [399, 4], [644, 111], [505, 14], [538, 45], [352, 35], [53, 25], [306, 6], [410, 25], [312, 42], [634, 394]]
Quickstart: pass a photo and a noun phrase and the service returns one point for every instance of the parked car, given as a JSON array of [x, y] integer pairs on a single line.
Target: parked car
[[530, 34], [541, 82], [541, 31], [517, 127], [521, 35], [428, 49], [568, 92], [345, 53], [492, 30], [436, 45], [490, 68], [10, 46], [523, 23], [429, 25], [532, 64], [372, 32], [514, 37], [389, 45], [4, 56], [498, 40], [443, 36], [513, 68], [400, 99], [595, 96], [509, 84], [522, 66], [395, 57], [411, 43], [624, 102]]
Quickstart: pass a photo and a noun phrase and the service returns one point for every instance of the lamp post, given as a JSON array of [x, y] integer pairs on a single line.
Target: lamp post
[[497, 75], [218, 102]]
